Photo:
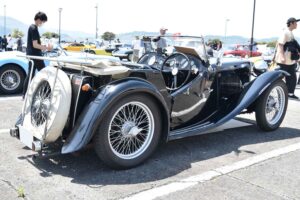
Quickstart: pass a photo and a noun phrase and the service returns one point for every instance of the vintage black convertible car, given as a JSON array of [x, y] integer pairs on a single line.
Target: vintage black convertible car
[[126, 109]]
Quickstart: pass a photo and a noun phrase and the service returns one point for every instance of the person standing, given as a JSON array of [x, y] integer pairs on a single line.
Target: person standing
[[10, 43], [34, 47], [0, 43], [4, 43], [284, 56], [136, 45], [19, 43], [161, 41]]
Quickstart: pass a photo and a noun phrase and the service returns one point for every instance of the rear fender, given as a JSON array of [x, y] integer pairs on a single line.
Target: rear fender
[[92, 115], [253, 92]]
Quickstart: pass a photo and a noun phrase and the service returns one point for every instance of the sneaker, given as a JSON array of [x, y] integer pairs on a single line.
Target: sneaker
[[292, 96]]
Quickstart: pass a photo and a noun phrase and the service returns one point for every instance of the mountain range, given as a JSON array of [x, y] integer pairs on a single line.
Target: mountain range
[[71, 36]]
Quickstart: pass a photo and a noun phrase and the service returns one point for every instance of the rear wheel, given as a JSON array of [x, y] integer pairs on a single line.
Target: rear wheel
[[271, 106], [129, 133], [11, 79]]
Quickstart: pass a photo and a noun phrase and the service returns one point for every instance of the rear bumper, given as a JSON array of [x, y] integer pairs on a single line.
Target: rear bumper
[[27, 138]]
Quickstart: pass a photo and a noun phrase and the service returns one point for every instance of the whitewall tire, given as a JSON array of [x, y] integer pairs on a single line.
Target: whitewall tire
[[39, 104]]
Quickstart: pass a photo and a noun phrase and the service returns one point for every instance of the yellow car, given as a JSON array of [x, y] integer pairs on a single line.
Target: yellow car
[[99, 51], [78, 47]]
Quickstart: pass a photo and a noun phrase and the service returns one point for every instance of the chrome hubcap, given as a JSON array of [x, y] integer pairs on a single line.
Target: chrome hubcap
[[40, 104], [10, 80], [131, 130], [275, 105]]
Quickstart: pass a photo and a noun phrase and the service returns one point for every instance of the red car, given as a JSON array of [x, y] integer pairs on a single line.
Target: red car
[[241, 51]]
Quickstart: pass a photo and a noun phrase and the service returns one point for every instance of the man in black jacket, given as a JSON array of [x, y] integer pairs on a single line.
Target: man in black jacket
[[34, 47]]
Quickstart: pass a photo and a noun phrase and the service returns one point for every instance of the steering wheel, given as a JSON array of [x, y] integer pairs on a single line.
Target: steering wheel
[[152, 59], [178, 65]]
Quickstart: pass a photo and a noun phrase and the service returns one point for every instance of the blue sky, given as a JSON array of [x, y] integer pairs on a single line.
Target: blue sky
[[193, 17]]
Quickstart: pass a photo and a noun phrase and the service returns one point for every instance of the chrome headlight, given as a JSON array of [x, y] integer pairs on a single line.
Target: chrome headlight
[[261, 65]]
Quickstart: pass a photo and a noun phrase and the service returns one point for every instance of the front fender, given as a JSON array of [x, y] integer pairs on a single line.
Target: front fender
[[15, 61], [92, 115], [253, 91]]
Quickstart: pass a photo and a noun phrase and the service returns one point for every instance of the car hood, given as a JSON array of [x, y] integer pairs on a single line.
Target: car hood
[[80, 55], [10, 54], [227, 62]]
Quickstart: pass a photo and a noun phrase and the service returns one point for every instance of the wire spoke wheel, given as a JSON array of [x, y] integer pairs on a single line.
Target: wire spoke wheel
[[271, 106], [40, 104], [131, 130], [10, 80], [275, 105]]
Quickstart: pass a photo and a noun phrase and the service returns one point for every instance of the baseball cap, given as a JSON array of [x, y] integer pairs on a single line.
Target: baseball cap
[[292, 19], [163, 28]]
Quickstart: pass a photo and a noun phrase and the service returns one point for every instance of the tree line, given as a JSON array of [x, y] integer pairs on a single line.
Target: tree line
[[16, 33], [109, 36]]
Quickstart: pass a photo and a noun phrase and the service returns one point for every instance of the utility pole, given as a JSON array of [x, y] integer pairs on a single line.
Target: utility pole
[[96, 21], [59, 28], [226, 22], [4, 7], [251, 41]]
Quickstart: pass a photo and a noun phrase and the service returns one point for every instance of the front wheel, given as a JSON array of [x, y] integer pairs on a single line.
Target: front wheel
[[129, 133], [271, 107], [11, 79]]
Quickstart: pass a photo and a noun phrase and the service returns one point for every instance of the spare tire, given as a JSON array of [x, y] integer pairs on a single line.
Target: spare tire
[[39, 104]]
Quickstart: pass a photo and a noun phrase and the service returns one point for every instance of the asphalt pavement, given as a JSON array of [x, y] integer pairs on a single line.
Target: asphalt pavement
[[240, 163]]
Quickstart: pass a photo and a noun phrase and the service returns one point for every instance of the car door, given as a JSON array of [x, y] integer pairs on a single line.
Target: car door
[[189, 100]]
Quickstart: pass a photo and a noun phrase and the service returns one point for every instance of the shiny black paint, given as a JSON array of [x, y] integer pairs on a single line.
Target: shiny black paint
[[92, 115], [214, 95], [189, 100], [202, 98], [248, 96], [79, 97]]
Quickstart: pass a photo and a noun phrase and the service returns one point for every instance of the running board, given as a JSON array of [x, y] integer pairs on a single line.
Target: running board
[[208, 128]]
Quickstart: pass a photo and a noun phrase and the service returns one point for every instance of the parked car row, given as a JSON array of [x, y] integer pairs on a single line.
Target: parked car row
[[120, 50], [242, 51]]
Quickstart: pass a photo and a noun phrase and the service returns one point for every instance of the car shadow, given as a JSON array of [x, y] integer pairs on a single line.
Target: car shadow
[[170, 159], [10, 95]]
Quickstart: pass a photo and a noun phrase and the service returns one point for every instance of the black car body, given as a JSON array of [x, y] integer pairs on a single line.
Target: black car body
[[123, 53], [125, 110]]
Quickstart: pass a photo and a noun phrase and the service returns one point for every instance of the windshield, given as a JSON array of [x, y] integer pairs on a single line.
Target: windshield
[[195, 43], [185, 44]]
